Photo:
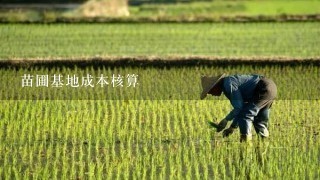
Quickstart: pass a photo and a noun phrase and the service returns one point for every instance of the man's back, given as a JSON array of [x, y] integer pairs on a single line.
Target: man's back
[[243, 84]]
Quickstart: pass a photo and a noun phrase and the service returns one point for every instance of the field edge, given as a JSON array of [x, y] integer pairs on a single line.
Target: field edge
[[156, 61]]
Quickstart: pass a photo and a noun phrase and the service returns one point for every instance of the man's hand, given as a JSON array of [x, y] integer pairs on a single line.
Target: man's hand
[[228, 132], [222, 124]]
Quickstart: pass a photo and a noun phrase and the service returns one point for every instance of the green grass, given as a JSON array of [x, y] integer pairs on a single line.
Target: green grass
[[160, 138], [296, 40], [194, 10], [229, 8]]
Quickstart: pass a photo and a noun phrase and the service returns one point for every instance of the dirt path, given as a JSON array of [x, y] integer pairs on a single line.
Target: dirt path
[[156, 61]]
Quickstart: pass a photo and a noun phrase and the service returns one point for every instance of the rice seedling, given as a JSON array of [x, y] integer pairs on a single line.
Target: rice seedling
[[152, 135], [206, 39]]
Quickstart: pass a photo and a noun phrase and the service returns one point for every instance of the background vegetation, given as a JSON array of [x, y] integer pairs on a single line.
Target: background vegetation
[[191, 11]]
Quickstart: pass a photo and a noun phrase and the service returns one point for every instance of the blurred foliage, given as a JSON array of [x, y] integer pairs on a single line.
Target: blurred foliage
[[41, 1], [237, 10], [134, 2]]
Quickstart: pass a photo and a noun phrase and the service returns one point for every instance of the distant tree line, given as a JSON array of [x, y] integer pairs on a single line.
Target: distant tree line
[[132, 2]]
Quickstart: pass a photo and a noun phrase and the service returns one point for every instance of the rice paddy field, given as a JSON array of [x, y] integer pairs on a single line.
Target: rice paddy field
[[147, 121], [205, 39]]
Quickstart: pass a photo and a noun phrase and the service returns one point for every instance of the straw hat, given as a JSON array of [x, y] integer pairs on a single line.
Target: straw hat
[[208, 82]]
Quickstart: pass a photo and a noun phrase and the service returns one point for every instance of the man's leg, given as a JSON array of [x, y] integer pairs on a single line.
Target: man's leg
[[264, 95], [260, 122], [245, 119]]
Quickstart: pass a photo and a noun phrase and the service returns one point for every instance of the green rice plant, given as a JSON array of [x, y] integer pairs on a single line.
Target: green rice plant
[[61, 41], [156, 137]]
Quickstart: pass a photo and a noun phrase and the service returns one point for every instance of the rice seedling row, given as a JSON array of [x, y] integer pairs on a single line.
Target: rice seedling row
[[154, 136], [296, 40]]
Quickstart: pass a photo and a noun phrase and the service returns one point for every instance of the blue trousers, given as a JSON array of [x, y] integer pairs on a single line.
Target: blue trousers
[[257, 111]]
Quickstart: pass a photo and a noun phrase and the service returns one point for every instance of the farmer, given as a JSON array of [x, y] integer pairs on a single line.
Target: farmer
[[251, 97]]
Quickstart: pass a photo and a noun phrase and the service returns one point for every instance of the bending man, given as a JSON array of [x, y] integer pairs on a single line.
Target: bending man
[[251, 97]]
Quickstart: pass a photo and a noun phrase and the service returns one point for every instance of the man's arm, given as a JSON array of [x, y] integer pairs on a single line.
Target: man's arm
[[234, 95], [237, 103]]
